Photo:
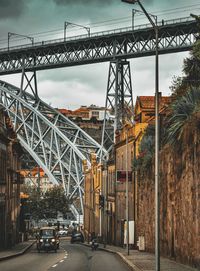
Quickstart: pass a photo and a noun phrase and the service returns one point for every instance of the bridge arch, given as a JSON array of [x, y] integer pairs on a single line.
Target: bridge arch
[[57, 144]]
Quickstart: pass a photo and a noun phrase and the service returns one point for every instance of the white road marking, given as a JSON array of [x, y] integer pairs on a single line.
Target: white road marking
[[61, 261], [54, 265], [65, 257]]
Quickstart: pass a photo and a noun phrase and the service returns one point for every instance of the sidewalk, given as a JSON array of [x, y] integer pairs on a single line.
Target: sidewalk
[[144, 261], [17, 250]]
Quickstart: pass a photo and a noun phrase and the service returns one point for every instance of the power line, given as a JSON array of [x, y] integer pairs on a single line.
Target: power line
[[110, 22]]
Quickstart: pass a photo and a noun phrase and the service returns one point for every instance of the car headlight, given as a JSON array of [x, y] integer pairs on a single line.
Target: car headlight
[[41, 240], [53, 240]]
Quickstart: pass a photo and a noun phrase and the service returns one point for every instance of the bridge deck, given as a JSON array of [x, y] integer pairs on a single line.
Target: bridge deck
[[174, 36]]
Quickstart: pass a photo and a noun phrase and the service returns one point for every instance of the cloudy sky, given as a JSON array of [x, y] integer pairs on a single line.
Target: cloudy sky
[[72, 87]]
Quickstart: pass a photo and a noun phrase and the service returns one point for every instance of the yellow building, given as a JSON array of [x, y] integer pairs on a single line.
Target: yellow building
[[109, 180], [92, 191]]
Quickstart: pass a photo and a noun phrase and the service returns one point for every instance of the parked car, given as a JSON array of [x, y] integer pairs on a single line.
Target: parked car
[[77, 237], [47, 239]]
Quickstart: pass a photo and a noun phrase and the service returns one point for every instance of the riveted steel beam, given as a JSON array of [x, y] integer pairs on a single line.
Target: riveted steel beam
[[57, 144], [174, 36]]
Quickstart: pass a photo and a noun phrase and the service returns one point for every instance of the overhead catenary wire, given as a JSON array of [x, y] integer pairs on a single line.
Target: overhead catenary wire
[[99, 24], [105, 23]]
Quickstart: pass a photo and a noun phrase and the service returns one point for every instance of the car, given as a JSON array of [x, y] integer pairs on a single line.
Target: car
[[77, 237], [62, 233], [47, 239]]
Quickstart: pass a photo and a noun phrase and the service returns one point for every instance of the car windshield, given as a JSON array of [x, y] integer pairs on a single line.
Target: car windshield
[[47, 232], [77, 234]]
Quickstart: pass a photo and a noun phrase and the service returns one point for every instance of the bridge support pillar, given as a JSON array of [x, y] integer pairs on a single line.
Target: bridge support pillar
[[119, 101], [29, 83]]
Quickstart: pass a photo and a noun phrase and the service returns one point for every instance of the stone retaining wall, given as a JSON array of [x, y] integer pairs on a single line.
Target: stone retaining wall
[[180, 203]]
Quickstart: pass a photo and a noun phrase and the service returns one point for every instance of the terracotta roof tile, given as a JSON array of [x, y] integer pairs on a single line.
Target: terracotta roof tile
[[81, 110], [65, 111], [148, 102]]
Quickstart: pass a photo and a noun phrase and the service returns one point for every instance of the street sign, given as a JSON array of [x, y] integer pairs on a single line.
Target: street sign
[[121, 176]]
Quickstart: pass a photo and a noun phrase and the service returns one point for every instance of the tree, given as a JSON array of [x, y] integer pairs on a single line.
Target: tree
[[186, 102], [48, 205], [55, 200], [192, 67], [183, 111], [146, 150], [191, 78]]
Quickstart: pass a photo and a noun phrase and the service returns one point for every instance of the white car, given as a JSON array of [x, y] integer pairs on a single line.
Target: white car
[[62, 233]]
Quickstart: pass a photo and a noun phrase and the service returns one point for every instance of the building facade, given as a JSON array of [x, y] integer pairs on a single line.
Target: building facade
[[36, 178], [10, 181], [92, 192], [89, 118], [113, 178]]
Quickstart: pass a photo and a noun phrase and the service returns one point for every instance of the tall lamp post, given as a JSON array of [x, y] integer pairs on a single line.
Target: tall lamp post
[[127, 197], [157, 197]]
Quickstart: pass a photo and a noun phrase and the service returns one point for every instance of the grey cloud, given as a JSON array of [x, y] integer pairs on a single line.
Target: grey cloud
[[82, 73], [81, 2], [11, 9]]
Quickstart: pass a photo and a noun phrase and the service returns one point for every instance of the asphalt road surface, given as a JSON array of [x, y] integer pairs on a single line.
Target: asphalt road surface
[[70, 257]]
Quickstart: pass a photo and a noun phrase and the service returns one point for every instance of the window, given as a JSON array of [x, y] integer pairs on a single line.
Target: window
[[95, 114], [3, 167]]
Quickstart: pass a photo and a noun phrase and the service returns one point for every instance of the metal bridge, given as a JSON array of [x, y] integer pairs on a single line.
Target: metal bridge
[[56, 144], [174, 36]]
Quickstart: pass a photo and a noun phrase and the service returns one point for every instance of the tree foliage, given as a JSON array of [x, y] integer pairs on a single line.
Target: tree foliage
[[49, 204], [191, 67], [186, 102], [146, 150], [191, 74], [183, 111]]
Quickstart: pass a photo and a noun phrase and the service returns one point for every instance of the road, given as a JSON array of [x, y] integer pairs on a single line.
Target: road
[[72, 257]]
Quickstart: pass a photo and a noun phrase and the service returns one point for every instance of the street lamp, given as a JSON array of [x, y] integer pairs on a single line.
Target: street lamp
[[127, 197], [157, 198]]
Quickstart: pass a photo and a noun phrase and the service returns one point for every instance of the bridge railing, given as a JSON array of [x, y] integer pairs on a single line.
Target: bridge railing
[[96, 34]]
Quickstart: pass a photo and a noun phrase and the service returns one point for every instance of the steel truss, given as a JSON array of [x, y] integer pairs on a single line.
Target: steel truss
[[119, 101], [57, 145], [174, 36]]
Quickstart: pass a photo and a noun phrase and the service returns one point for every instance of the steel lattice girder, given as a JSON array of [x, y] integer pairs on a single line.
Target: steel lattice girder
[[58, 145], [119, 100], [174, 36]]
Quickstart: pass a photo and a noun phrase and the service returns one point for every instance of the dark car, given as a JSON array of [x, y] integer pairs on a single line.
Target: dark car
[[47, 239], [77, 237]]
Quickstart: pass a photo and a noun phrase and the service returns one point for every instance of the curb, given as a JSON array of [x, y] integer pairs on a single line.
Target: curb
[[7, 257], [128, 262], [121, 256]]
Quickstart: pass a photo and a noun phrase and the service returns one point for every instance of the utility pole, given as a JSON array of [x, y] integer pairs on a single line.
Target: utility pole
[[127, 192], [157, 185]]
